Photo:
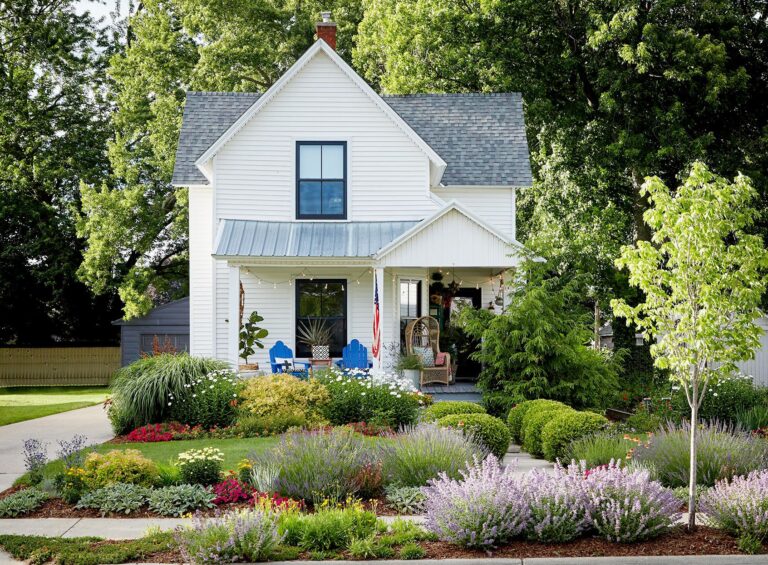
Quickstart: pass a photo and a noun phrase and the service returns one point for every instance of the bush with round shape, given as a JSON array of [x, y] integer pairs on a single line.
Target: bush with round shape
[[739, 506], [722, 452], [518, 412], [626, 506], [566, 427], [141, 390], [201, 466], [421, 453], [483, 428], [446, 408], [483, 509], [117, 466], [533, 424], [284, 397], [724, 399], [210, 401]]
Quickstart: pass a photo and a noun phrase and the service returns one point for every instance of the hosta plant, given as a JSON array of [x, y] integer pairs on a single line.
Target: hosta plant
[[180, 499], [626, 506], [483, 509], [739, 506], [557, 504], [119, 498]]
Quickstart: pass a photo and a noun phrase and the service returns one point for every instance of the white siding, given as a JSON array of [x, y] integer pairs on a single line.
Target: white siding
[[494, 205], [200, 271], [453, 240], [758, 367], [387, 174]]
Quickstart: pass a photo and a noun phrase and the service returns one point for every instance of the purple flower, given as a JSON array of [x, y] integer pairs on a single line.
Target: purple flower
[[35, 455], [739, 506], [72, 452], [484, 508], [626, 506]]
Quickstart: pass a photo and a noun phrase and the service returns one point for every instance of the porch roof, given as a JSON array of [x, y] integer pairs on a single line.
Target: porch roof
[[253, 238]]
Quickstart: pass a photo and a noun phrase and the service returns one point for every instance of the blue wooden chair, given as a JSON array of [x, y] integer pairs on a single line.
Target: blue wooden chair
[[354, 356], [282, 351]]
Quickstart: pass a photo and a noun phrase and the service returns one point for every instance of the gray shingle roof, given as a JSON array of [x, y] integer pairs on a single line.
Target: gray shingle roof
[[480, 136], [252, 238]]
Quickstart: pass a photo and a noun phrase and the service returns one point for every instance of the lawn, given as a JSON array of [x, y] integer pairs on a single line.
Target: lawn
[[25, 403]]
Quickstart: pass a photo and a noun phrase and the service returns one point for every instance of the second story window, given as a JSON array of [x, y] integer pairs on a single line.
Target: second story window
[[321, 180]]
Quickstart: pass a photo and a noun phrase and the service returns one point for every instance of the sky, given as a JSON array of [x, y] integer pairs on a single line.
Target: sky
[[100, 8]]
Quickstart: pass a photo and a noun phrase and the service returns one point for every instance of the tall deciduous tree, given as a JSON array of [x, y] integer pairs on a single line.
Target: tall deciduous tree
[[53, 133], [136, 222], [702, 276]]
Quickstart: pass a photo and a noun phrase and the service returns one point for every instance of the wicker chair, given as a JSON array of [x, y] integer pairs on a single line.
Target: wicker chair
[[424, 332]]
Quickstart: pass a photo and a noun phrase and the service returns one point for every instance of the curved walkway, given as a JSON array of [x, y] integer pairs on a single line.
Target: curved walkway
[[91, 422]]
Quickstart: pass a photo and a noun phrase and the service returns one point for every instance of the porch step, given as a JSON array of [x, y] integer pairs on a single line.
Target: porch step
[[459, 391]]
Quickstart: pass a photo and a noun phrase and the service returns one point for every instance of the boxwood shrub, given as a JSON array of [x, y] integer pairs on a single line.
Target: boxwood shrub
[[441, 409], [518, 412], [566, 426], [533, 423], [483, 428]]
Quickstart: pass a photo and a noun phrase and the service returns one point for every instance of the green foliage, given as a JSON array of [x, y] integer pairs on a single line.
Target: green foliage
[[753, 418], [141, 391], [518, 412], [85, 551], [484, 429], [536, 349], [117, 466], [533, 424], [328, 528], [21, 502], [201, 466], [251, 335], [405, 500], [209, 401], [565, 427], [750, 544], [728, 395], [644, 421], [369, 548], [118, 498], [445, 408], [180, 499], [284, 397], [412, 551], [250, 425], [599, 449]]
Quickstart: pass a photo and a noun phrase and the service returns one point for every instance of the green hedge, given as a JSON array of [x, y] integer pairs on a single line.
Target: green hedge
[[565, 427], [484, 428], [441, 409], [533, 423], [518, 412]]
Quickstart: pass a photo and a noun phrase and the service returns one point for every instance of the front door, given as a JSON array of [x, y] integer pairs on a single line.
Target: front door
[[467, 369]]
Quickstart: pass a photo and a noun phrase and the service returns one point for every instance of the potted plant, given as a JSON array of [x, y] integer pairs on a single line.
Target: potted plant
[[250, 337], [410, 367], [316, 335]]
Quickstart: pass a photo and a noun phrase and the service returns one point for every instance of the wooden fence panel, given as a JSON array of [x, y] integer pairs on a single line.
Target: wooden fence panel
[[58, 366]]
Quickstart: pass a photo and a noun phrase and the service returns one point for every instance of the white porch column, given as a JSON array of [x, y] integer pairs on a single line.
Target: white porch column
[[233, 330], [378, 283]]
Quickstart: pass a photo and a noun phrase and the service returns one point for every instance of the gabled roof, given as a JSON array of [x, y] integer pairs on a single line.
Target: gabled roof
[[479, 137], [252, 238], [174, 313], [320, 46]]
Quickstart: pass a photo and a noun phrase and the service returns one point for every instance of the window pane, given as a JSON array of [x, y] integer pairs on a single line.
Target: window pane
[[333, 161], [333, 197], [309, 161], [310, 299], [325, 301], [333, 299], [309, 197], [403, 299]]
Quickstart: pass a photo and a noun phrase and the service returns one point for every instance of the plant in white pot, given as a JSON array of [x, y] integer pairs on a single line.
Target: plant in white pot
[[410, 367], [250, 338], [316, 335]]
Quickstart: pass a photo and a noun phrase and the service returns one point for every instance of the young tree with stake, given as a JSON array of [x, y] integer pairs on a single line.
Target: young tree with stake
[[702, 277]]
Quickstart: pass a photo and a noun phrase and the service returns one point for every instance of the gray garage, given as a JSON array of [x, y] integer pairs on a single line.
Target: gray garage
[[166, 326]]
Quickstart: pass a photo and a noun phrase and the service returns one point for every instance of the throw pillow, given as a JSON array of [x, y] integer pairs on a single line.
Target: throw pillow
[[426, 355]]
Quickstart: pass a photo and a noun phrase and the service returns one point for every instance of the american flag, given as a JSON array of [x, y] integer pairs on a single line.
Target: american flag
[[376, 347]]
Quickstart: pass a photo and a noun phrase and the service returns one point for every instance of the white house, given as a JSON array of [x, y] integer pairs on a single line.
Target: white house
[[308, 193]]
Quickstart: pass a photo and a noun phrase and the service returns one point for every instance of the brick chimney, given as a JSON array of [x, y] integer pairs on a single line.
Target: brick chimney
[[326, 30]]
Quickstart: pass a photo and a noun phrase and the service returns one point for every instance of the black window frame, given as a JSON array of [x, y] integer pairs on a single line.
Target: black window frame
[[299, 215], [419, 313], [300, 348]]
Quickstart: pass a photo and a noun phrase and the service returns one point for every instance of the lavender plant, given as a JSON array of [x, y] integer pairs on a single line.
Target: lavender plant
[[421, 453], [316, 465], [35, 458], [740, 506], [484, 508], [722, 450], [247, 535], [72, 453], [626, 506], [557, 503]]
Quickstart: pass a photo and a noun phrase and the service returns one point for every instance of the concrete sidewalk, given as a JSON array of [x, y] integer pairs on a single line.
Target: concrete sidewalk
[[92, 422]]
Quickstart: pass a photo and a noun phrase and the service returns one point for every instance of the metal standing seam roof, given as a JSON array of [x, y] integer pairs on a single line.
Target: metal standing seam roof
[[480, 136], [253, 238]]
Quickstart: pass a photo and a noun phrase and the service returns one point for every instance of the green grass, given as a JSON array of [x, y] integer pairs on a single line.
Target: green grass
[[85, 551], [26, 403], [166, 451]]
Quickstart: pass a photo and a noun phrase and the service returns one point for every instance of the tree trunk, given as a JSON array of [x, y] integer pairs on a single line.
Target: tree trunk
[[692, 476]]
